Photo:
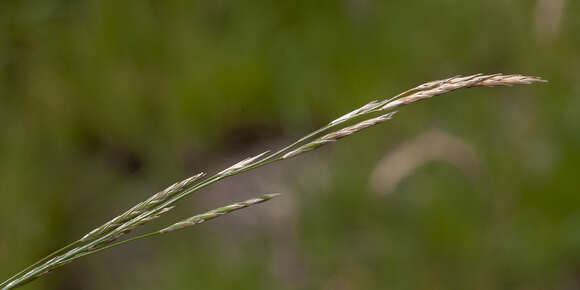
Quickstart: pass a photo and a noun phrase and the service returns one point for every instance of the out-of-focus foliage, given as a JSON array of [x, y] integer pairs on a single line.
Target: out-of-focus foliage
[[104, 102]]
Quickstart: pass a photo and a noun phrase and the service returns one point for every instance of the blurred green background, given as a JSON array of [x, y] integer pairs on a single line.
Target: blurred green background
[[103, 103]]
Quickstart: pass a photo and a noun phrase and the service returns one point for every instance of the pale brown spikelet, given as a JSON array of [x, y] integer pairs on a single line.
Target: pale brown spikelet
[[362, 110], [510, 80], [244, 163], [332, 137], [445, 86], [172, 190]]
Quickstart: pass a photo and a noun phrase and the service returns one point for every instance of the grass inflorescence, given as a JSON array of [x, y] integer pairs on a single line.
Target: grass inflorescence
[[108, 235]]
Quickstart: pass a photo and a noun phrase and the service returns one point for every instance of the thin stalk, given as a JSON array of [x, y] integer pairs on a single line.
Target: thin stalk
[[151, 234], [46, 258]]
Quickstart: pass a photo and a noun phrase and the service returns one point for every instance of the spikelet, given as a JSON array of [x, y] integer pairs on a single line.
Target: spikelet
[[436, 88], [242, 164], [141, 207], [200, 218], [334, 136]]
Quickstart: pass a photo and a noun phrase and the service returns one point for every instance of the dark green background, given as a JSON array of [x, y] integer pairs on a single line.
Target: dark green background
[[104, 102]]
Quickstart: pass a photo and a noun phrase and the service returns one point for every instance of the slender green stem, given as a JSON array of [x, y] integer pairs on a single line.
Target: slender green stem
[[48, 257], [117, 244], [89, 253]]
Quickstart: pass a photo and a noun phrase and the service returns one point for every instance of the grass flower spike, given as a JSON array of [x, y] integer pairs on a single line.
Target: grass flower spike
[[107, 235]]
